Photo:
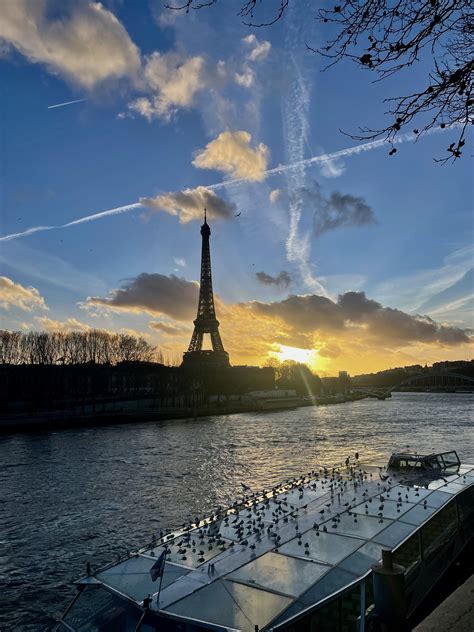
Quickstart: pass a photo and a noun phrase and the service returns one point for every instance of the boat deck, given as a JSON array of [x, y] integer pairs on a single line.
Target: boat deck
[[276, 553]]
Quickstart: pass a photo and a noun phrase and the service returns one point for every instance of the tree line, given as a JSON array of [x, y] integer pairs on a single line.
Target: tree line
[[76, 347]]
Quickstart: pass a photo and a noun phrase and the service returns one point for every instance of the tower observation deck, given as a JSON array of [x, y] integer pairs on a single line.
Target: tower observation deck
[[206, 321]]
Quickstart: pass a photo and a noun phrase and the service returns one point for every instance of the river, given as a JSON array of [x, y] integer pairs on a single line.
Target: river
[[72, 496]]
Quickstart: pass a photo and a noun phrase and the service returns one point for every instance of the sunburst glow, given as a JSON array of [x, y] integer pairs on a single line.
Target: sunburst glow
[[305, 356]]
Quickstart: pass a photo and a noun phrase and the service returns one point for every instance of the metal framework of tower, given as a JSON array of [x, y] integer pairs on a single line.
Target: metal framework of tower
[[206, 321]]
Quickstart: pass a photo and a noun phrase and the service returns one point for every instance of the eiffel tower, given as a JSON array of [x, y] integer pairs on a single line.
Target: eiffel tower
[[206, 321]]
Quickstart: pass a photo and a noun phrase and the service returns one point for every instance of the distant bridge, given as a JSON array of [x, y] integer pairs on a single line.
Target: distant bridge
[[432, 380]]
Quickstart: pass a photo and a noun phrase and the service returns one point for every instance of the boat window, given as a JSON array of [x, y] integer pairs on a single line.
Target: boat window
[[433, 463], [327, 618], [350, 608], [409, 553], [466, 503], [155, 623], [98, 610], [450, 459], [439, 527]]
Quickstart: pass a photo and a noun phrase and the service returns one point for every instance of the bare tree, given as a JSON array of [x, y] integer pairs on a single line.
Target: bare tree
[[94, 346], [387, 38]]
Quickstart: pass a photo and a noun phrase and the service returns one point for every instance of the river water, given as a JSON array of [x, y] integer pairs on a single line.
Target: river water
[[72, 496]]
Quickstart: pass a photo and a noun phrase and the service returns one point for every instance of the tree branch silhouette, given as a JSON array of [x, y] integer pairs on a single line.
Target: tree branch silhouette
[[387, 38]]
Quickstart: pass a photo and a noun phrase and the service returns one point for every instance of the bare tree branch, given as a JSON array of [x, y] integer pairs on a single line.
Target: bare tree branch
[[388, 37]]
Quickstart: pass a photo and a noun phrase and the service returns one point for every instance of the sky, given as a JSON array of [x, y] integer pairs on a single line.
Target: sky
[[121, 121]]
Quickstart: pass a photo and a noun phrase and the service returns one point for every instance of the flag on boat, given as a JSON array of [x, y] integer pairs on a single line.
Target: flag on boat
[[158, 567]]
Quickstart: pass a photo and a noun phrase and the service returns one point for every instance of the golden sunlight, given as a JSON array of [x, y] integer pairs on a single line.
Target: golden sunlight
[[309, 357]]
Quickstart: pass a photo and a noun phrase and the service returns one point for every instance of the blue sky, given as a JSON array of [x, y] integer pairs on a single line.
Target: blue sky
[[166, 89]]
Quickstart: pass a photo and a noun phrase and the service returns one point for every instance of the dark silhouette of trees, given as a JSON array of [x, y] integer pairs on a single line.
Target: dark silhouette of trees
[[291, 375], [387, 38], [90, 347]]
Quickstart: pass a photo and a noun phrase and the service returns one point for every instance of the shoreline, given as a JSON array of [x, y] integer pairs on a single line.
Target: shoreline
[[61, 420]]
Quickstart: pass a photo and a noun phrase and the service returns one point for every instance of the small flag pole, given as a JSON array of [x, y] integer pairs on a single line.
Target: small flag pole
[[159, 590], [161, 573]]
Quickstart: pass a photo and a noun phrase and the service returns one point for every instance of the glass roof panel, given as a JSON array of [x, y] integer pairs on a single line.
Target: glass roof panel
[[231, 604], [362, 559], [359, 526], [334, 580], [394, 534], [194, 549], [325, 547], [437, 499], [418, 514], [388, 508], [132, 577], [97, 609], [273, 571], [405, 493], [453, 488]]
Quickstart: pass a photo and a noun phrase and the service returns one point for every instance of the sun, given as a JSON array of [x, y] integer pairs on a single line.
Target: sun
[[304, 356]]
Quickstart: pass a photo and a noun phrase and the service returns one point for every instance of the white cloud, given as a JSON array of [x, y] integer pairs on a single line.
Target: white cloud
[[16, 295], [332, 169], [246, 78], [179, 261], [86, 46], [258, 49], [189, 205], [70, 324], [172, 81], [232, 153]]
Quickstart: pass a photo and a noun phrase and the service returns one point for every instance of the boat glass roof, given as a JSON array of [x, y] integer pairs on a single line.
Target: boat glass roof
[[278, 552]]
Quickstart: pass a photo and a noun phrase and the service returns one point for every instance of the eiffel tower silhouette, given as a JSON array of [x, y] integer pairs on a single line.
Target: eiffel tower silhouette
[[206, 321]]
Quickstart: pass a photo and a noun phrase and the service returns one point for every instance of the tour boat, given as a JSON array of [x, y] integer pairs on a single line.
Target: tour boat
[[302, 555]]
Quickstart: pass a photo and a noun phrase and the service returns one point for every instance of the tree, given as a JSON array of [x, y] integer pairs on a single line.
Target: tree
[[388, 37], [76, 347]]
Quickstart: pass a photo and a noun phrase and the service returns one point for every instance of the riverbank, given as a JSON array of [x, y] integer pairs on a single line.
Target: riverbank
[[137, 411], [134, 412]]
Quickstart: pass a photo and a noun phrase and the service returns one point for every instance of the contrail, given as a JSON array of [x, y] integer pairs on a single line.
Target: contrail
[[322, 158], [60, 105]]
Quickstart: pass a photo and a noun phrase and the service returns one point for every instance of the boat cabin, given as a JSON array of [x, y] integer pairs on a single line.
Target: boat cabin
[[428, 463]]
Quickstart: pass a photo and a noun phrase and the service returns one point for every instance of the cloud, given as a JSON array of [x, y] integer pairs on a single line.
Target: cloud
[[354, 312], [232, 154], [16, 295], [86, 44], [258, 50], [336, 211], [172, 79], [153, 294], [169, 329], [246, 78], [70, 324], [180, 261], [274, 195], [189, 205], [283, 279]]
